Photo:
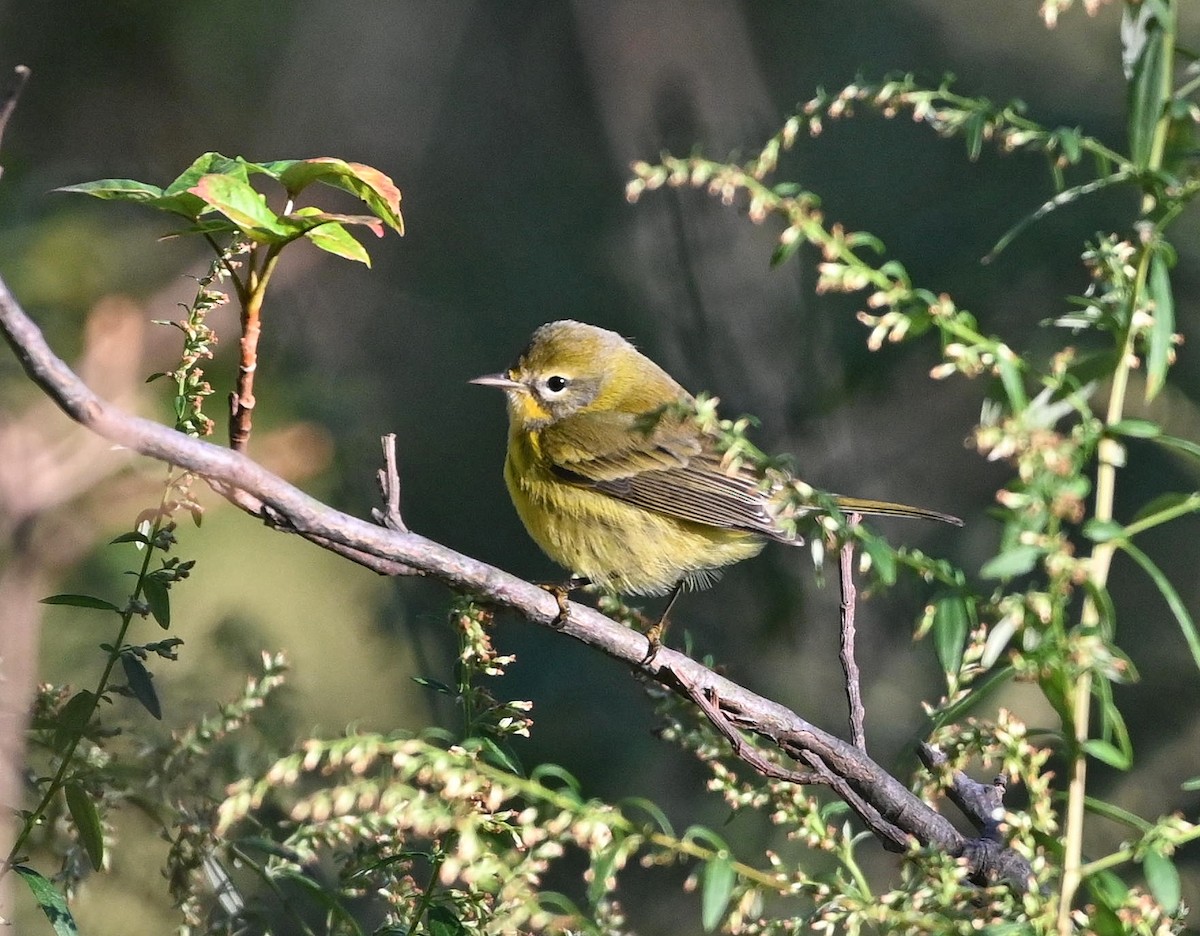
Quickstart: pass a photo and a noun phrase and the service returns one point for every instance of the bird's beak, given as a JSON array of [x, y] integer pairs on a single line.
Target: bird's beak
[[503, 381]]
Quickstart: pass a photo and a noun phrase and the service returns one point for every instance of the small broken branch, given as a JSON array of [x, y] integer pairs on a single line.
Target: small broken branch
[[858, 715]]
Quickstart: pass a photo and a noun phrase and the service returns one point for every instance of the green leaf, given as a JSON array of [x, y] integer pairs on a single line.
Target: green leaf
[[1107, 752], [498, 757], [973, 129], [1014, 384], [373, 187], [1107, 888], [441, 921], [324, 899], [716, 888], [1102, 531], [1158, 354], [981, 692], [87, 823], [1136, 428], [208, 164], [332, 237], [1173, 504], [73, 718], [1174, 602], [1070, 141], [1192, 784], [115, 190], [1105, 921], [1012, 562], [433, 684], [1101, 808], [784, 250], [951, 622], [883, 558], [132, 537], [53, 904], [1162, 877], [141, 684], [602, 870], [1105, 611], [244, 206], [81, 601], [159, 600], [1144, 41], [1184, 445]]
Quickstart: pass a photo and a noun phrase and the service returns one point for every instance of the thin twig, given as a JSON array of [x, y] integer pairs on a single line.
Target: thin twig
[[12, 94], [858, 736], [709, 702], [389, 488]]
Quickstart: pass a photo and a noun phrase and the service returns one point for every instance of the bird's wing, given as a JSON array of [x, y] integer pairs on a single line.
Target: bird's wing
[[671, 469]]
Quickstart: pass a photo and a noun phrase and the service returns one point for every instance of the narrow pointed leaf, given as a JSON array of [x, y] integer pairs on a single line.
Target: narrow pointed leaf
[[716, 890], [1158, 354], [1144, 45], [115, 190], [1108, 753], [159, 600], [53, 903], [141, 684], [131, 537], [81, 601], [951, 621], [1011, 563], [72, 719], [87, 823], [1174, 602], [1162, 877]]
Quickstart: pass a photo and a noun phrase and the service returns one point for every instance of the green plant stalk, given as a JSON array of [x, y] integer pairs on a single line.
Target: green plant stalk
[[59, 780], [1109, 457], [423, 904], [1129, 853]]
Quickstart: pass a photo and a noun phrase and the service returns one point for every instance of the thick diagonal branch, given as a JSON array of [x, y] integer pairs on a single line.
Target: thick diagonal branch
[[871, 789]]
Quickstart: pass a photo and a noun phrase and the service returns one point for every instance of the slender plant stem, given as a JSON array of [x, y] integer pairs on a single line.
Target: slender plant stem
[[59, 779], [1110, 457]]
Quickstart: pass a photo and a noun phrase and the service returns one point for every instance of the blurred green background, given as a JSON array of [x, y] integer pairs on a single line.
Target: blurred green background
[[509, 128]]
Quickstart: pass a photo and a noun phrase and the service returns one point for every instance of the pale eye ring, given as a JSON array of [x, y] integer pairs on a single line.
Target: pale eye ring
[[556, 383]]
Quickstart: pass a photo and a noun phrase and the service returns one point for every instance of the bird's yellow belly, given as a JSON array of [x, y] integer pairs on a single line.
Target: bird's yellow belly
[[618, 546]]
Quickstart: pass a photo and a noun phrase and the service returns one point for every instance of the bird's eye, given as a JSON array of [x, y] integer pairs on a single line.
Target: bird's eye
[[556, 383]]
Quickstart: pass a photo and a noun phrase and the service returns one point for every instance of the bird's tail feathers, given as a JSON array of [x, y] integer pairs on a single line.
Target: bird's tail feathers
[[887, 509]]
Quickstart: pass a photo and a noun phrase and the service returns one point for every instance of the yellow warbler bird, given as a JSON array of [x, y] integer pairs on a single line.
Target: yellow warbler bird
[[632, 503]]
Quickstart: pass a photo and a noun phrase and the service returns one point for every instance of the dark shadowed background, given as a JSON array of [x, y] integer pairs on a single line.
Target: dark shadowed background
[[510, 128]]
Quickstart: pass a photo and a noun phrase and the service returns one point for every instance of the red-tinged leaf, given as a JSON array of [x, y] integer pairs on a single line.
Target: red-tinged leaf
[[375, 188], [335, 239], [244, 206], [208, 164], [141, 684], [87, 823]]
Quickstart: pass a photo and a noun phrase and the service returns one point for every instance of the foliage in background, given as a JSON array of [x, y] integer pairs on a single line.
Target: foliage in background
[[445, 832]]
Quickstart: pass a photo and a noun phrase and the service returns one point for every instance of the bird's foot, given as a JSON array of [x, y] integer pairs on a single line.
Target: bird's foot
[[654, 638]]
